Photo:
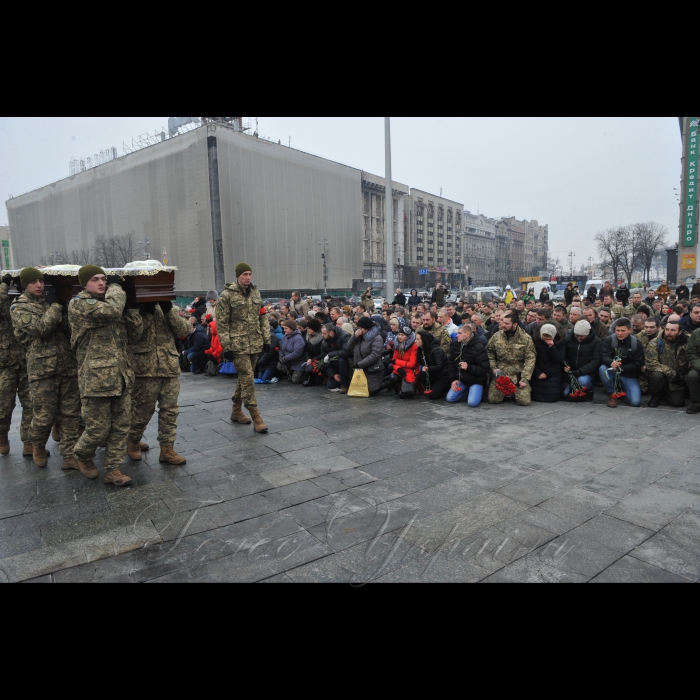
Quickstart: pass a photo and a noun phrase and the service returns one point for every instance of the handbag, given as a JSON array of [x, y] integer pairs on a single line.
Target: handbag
[[408, 390], [359, 389], [376, 368], [227, 369]]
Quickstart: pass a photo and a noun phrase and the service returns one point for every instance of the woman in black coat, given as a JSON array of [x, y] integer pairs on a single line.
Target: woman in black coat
[[367, 346], [549, 368], [432, 362]]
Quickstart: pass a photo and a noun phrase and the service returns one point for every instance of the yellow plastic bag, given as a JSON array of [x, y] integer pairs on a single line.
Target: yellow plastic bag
[[359, 389]]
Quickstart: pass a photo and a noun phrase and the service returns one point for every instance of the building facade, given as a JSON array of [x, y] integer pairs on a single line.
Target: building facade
[[433, 241], [533, 256], [479, 249], [6, 251]]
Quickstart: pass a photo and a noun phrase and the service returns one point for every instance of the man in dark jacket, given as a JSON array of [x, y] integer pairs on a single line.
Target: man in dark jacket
[[622, 295], [468, 368], [432, 366], [197, 343], [597, 326], [695, 291], [336, 354], [622, 355], [691, 322], [439, 296], [292, 353], [582, 348], [692, 353], [399, 299]]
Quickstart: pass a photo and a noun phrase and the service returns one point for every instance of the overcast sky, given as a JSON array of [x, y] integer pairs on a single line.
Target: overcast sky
[[577, 174]]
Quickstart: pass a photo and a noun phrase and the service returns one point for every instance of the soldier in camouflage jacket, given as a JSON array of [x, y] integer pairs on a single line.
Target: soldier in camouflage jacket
[[244, 332], [13, 377], [41, 326], [101, 328], [156, 366], [667, 366], [512, 353]]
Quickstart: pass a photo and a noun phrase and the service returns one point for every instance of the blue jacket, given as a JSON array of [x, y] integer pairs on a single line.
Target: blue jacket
[[293, 351], [198, 341]]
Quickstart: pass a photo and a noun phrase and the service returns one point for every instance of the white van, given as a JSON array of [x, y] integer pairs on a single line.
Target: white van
[[598, 284], [537, 288]]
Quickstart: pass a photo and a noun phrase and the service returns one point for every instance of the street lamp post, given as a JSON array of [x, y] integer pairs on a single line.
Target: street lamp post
[[389, 213]]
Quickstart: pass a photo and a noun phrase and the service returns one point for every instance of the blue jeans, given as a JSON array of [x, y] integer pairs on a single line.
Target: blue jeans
[[198, 361], [341, 367], [268, 375], [586, 382], [630, 386], [473, 396]]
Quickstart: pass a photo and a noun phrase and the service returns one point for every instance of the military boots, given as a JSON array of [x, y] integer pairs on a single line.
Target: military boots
[[28, 450], [133, 449], [69, 463], [114, 476], [258, 422], [238, 416], [4, 445], [87, 468], [41, 457], [169, 456]]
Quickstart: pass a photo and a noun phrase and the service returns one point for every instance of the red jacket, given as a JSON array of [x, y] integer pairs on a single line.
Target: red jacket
[[408, 362], [216, 350]]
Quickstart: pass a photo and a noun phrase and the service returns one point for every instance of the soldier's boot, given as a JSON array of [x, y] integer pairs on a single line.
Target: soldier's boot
[[655, 401], [612, 403], [40, 456], [258, 422], [133, 449], [144, 446], [56, 434], [693, 410], [4, 445], [69, 463], [238, 416], [28, 450], [87, 468], [169, 456], [114, 476]]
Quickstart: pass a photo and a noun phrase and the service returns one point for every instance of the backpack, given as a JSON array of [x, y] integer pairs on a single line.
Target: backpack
[[616, 343], [212, 369]]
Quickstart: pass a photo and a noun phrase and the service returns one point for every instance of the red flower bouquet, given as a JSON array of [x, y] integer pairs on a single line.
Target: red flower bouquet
[[578, 391], [506, 386]]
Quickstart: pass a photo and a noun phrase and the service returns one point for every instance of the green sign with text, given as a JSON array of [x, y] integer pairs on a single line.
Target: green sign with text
[[691, 200], [6, 253]]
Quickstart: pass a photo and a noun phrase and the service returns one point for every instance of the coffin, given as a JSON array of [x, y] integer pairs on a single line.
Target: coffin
[[143, 285]]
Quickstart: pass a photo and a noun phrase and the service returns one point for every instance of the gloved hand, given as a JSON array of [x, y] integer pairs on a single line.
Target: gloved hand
[[149, 308], [115, 279], [282, 359], [166, 306], [402, 373], [326, 360], [52, 297], [228, 356], [7, 279], [267, 348]]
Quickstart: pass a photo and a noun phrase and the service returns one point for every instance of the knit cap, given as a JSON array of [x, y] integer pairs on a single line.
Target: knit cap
[[549, 330], [85, 274], [366, 323], [290, 324], [241, 268], [29, 275], [213, 296], [582, 328]]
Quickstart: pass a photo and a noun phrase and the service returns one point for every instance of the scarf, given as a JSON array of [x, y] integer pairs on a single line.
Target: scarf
[[371, 335], [403, 347]]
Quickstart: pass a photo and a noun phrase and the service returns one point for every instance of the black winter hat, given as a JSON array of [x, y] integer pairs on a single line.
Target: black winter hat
[[366, 323]]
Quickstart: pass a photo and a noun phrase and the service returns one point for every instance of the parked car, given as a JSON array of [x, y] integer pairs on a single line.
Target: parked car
[[274, 302]]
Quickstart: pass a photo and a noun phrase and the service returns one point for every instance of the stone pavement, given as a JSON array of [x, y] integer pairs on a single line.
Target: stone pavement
[[358, 491]]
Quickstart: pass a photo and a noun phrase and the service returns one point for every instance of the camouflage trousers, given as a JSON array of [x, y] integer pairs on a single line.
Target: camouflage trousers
[[14, 382], [523, 397], [147, 392], [245, 391], [56, 401], [107, 422]]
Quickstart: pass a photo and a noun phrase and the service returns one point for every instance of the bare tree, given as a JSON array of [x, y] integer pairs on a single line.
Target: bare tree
[[115, 251], [629, 252], [611, 244], [125, 247], [650, 241]]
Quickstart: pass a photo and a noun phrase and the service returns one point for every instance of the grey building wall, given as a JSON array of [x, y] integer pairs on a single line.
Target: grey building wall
[[278, 204], [160, 192]]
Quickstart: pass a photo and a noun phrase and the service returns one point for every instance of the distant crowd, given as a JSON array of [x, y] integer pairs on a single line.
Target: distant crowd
[[631, 343]]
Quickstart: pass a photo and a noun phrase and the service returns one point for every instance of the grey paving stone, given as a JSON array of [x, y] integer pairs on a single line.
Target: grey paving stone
[[537, 488], [628, 478], [685, 478], [654, 507], [42, 579], [630, 570], [676, 548], [577, 506], [18, 535], [293, 495], [615, 534], [325, 509], [176, 577], [262, 563], [529, 570]]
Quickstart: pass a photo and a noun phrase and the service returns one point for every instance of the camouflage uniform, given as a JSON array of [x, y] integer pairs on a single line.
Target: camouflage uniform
[[645, 340], [156, 366], [439, 332], [667, 367], [243, 329], [43, 330], [514, 356], [630, 311], [367, 300], [616, 310], [13, 373], [101, 333]]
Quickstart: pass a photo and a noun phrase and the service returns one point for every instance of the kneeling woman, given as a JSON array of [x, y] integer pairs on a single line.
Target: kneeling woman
[[549, 370], [405, 363], [432, 368], [468, 367], [367, 345]]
